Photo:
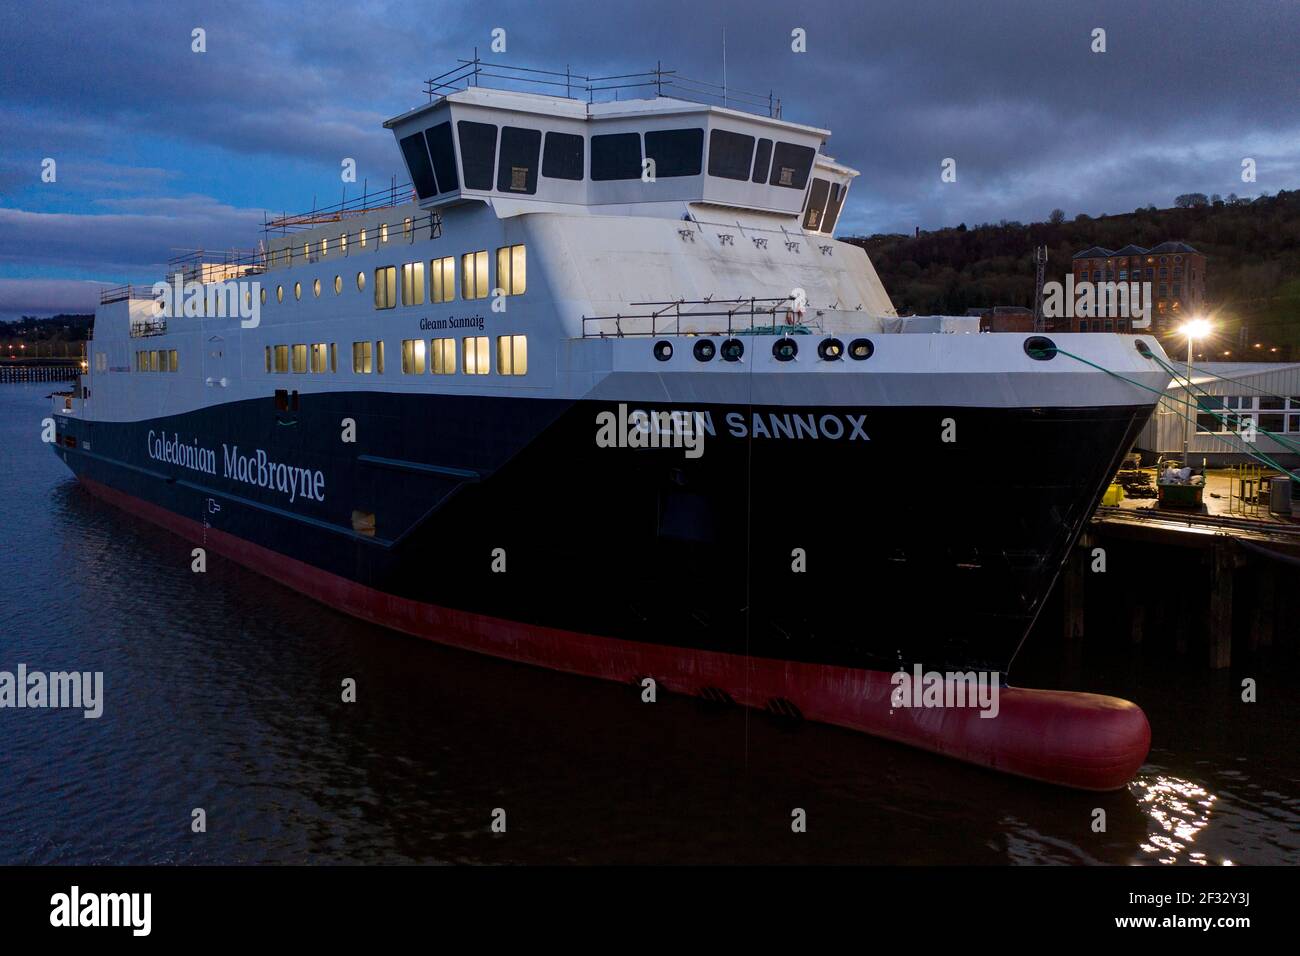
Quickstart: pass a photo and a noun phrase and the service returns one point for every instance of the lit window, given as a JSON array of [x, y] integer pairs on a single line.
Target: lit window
[[383, 232], [343, 243], [268, 358], [282, 358], [361, 282], [379, 357], [306, 250], [511, 270], [413, 356], [319, 356], [361, 358], [279, 293], [155, 363], [512, 355], [442, 279], [413, 283], [406, 228], [444, 356], [263, 297], [476, 355], [474, 275], [173, 361], [338, 284], [385, 287], [334, 357], [297, 290], [361, 237], [300, 358], [315, 288], [324, 247]]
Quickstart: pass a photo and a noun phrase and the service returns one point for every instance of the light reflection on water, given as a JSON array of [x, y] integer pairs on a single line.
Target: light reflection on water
[[1178, 810]]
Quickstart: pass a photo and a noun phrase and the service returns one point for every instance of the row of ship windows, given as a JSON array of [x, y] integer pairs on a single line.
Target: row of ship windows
[[475, 281], [156, 360], [284, 256], [439, 355], [431, 159]]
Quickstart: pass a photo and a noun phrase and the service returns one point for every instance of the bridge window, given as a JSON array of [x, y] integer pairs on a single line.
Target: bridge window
[[444, 356], [676, 152], [616, 156], [413, 356], [361, 356], [517, 166], [442, 279], [417, 162], [385, 287], [563, 156], [833, 206], [443, 153], [730, 154], [511, 269], [413, 283], [474, 275], [512, 355], [817, 197], [790, 165], [762, 160], [476, 355], [478, 150]]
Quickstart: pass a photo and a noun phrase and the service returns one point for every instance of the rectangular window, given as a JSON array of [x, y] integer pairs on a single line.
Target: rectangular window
[[324, 247], [476, 355], [407, 228], [361, 358], [319, 357], [517, 165], [383, 232], [443, 154], [385, 287], [731, 154], [334, 357], [762, 160], [474, 275], [173, 361], [418, 165], [512, 355], [563, 156], [379, 357], [300, 358], [413, 356], [790, 165], [155, 363], [343, 243], [676, 152], [282, 358], [413, 283], [268, 358], [833, 206], [511, 269], [478, 150], [616, 156], [444, 356], [817, 197], [442, 279], [361, 238]]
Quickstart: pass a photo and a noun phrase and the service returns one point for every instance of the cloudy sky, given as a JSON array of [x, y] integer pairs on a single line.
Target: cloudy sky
[[160, 148]]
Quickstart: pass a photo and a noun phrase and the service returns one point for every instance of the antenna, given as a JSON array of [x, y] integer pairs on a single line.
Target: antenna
[[724, 66]]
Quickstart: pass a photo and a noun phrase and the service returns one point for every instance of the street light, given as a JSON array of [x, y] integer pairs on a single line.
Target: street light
[[1194, 329]]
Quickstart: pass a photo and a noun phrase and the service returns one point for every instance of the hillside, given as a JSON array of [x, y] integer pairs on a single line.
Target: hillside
[[1252, 279]]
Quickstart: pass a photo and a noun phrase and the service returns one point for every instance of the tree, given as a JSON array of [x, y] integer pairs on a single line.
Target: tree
[[1057, 217], [1189, 200]]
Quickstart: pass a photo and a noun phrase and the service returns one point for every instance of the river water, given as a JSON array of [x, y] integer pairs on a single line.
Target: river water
[[222, 692]]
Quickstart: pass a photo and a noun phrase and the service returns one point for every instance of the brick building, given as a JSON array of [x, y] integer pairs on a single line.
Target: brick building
[[1175, 270]]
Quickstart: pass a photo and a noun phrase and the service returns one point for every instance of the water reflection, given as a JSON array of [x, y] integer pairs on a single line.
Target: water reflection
[[1177, 810]]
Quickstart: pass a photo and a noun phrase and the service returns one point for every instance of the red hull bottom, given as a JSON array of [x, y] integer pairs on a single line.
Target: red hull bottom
[[1073, 739]]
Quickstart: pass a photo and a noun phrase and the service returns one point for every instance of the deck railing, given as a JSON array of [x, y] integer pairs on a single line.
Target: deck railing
[[701, 317]]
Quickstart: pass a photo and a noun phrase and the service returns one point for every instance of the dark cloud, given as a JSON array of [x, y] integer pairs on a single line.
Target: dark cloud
[[1010, 89]]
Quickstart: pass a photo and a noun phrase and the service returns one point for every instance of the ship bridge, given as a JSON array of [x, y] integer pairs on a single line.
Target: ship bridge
[[664, 156]]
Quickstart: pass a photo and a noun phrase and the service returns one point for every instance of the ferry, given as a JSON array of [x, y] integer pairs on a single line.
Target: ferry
[[601, 391]]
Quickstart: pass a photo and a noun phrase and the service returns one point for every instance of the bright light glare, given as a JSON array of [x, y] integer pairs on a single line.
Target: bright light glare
[[1196, 328]]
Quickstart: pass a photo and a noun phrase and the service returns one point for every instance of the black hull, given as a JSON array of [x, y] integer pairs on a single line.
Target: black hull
[[917, 550]]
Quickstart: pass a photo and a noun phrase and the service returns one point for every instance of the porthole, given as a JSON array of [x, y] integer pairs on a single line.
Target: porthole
[[830, 350], [1143, 349], [297, 290], [263, 297], [279, 293], [1040, 348], [315, 288], [785, 349], [861, 349], [663, 350], [338, 284], [732, 350], [705, 350], [361, 282]]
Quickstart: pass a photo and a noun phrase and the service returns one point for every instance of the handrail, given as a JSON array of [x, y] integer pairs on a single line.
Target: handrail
[[750, 307]]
